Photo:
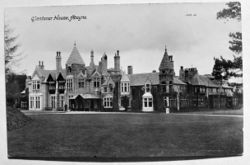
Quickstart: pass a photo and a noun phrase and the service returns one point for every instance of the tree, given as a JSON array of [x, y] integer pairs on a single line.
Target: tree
[[232, 12], [231, 68], [10, 48]]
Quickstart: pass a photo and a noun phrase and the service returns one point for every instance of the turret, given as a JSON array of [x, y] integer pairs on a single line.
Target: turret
[[166, 69]]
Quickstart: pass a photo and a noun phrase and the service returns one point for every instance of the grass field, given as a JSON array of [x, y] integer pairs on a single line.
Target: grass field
[[157, 135]]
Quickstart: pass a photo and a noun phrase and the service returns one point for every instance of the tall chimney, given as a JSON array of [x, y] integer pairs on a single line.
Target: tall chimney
[[92, 64], [170, 58], [104, 61], [117, 61], [58, 61], [42, 66], [130, 69]]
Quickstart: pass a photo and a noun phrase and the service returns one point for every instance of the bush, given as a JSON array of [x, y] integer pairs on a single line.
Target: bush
[[16, 119]]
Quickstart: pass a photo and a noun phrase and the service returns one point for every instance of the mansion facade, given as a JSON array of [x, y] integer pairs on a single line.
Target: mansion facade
[[95, 87]]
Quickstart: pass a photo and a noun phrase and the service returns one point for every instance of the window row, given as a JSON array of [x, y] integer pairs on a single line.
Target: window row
[[107, 102], [125, 88], [69, 84], [82, 83], [53, 101], [108, 88], [36, 85], [148, 102], [35, 102]]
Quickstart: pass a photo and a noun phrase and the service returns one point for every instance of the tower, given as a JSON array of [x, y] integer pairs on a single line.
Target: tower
[[166, 69], [166, 76]]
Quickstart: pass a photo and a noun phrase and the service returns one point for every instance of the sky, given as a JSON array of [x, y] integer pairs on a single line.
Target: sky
[[190, 31]]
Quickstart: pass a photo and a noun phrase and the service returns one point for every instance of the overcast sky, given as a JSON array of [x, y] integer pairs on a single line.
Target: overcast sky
[[140, 32]]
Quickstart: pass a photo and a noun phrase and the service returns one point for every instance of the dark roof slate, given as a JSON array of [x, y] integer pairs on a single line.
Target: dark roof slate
[[75, 57], [140, 79], [200, 80]]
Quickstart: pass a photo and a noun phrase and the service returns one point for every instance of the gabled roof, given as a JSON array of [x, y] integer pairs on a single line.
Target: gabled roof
[[96, 74], [81, 75], [44, 74], [140, 79], [75, 57], [124, 77], [201, 80], [177, 81], [108, 81]]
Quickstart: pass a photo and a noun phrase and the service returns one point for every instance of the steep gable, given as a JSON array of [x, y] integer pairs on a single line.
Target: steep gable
[[108, 81], [125, 77], [96, 74]]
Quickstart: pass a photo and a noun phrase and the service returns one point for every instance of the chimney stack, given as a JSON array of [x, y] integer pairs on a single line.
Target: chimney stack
[[41, 66], [58, 61], [104, 61], [171, 58], [117, 61], [130, 69], [92, 64]]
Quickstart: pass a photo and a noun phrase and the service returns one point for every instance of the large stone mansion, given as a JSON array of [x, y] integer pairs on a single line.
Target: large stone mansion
[[95, 87]]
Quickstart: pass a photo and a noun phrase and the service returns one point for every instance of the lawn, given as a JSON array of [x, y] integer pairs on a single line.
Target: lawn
[[126, 136]]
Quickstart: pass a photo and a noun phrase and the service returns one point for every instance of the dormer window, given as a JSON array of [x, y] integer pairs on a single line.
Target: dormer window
[[81, 83], [69, 69], [110, 87], [105, 89], [147, 87], [96, 83]]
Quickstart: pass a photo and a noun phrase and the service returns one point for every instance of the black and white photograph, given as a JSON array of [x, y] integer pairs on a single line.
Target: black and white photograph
[[124, 82]]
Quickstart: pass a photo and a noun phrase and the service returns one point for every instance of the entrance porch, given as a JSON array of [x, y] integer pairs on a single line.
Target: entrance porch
[[87, 102]]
